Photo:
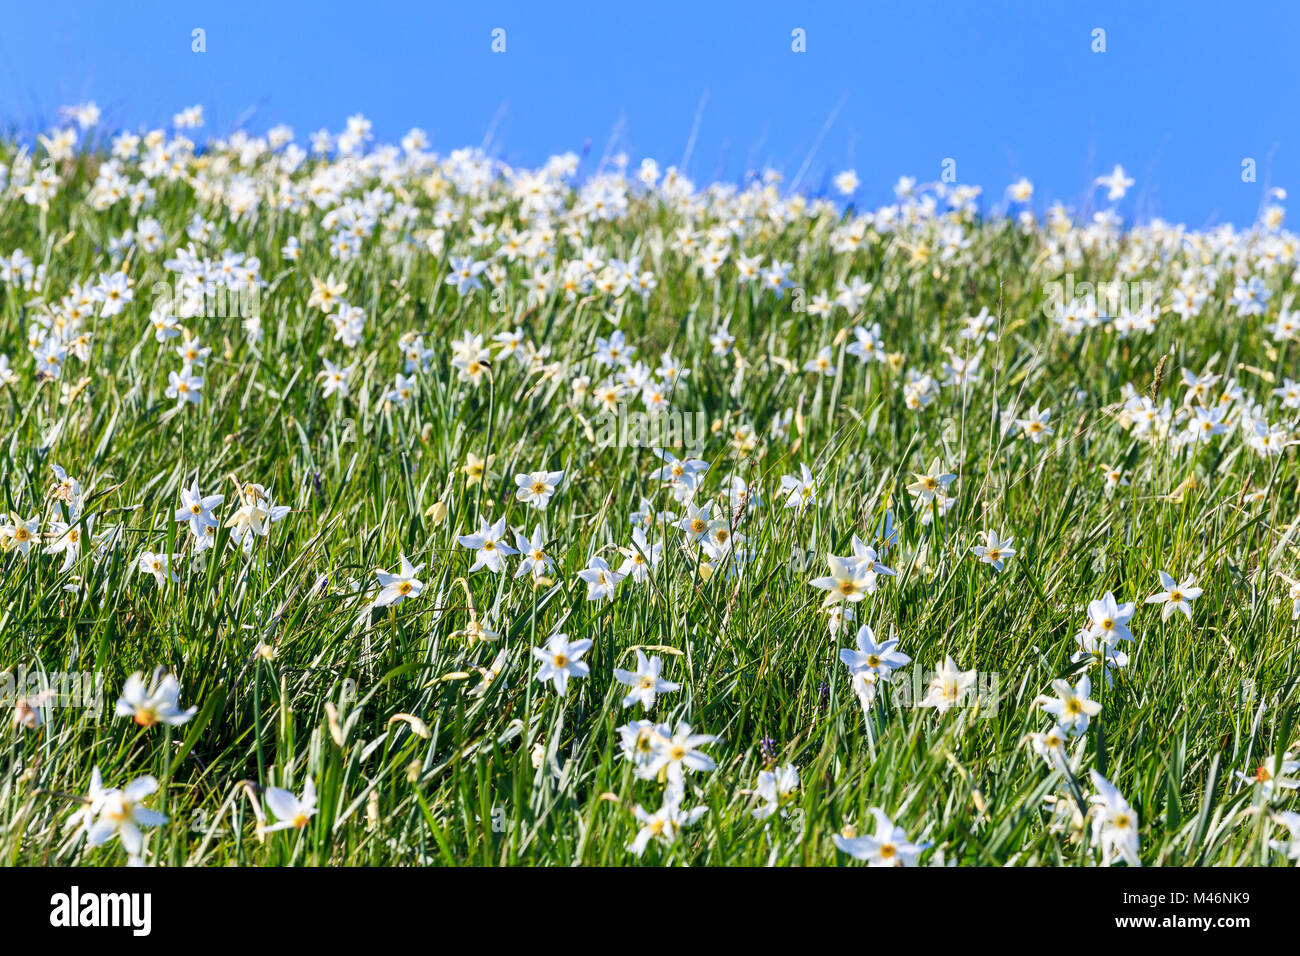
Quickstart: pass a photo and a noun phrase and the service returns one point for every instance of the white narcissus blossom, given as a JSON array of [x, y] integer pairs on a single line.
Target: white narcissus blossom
[[601, 580], [775, 788], [888, 846], [948, 687], [1072, 707], [489, 543], [1114, 823], [677, 751], [665, 823], [536, 487], [561, 660], [289, 811], [1176, 596], [155, 704], [1108, 619], [880, 658], [399, 587], [995, 550], [645, 682], [122, 813]]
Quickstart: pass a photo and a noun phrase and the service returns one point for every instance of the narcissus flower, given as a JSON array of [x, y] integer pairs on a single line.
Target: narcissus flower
[[665, 823], [677, 751], [1114, 824], [888, 846], [537, 487], [1176, 596], [489, 546], [561, 659], [775, 789], [1108, 619], [948, 687], [396, 588], [601, 580], [290, 812], [644, 681], [157, 704], [995, 550], [848, 581], [1072, 706], [122, 813]]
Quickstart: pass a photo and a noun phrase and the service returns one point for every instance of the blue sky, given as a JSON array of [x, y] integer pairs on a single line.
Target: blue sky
[[1184, 92]]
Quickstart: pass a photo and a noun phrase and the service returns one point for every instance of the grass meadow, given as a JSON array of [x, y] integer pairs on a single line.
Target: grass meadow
[[363, 505]]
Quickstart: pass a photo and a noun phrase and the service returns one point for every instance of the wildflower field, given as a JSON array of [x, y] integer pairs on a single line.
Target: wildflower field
[[365, 505]]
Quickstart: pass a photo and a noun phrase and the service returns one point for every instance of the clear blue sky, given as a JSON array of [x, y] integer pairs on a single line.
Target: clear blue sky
[[1182, 94]]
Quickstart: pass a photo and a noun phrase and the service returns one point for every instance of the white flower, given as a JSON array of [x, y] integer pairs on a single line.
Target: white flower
[[561, 659], [1051, 746], [489, 542], [196, 509], [994, 550], [1109, 619], [1072, 707], [849, 580], [1176, 596], [640, 557], [1290, 846], [774, 789], [665, 823], [677, 751], [1115, 825], [880, 659], [289, 810], [537, 487], [801, 490], [601, 581], [83, 818], [396, 588], [122, 813], [888, 846], [534, 558], [948, 686], [153, 705], [159, 565], [1117, 183], [644, 681], [184, 386]]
